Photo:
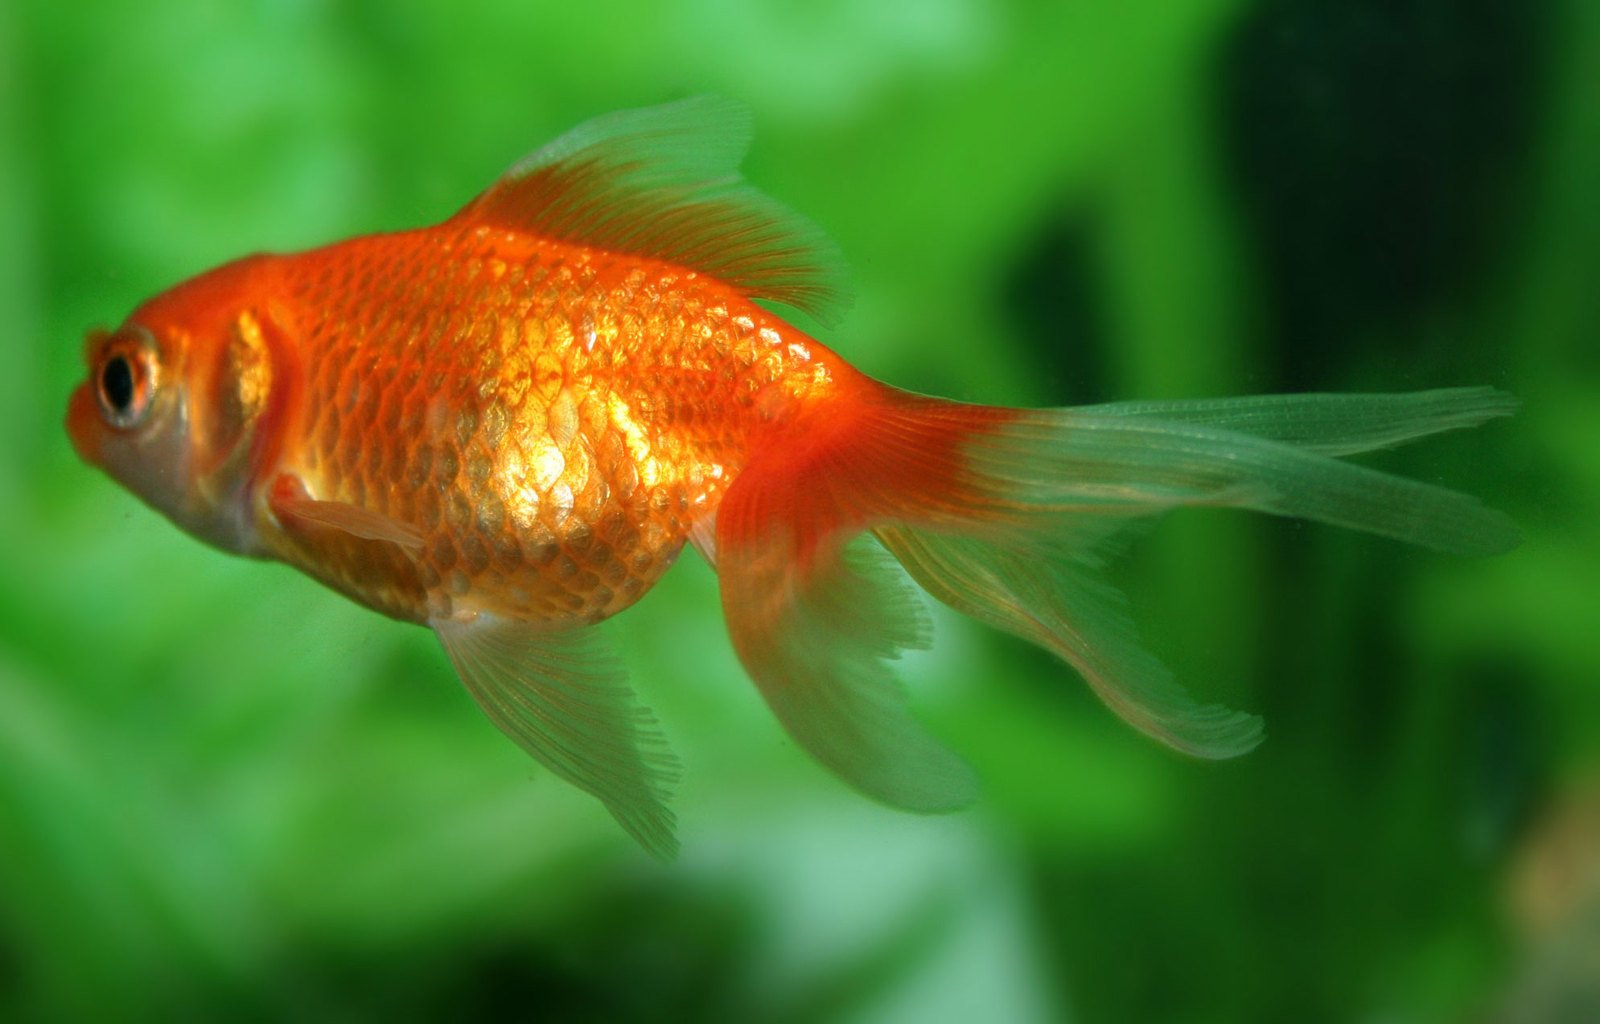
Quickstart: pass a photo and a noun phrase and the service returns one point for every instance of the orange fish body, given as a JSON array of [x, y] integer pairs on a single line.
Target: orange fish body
[[550, 420], [507, 426]]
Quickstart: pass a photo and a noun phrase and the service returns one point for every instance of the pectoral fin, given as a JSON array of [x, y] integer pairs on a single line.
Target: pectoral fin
[[566, 701], [294, 506]]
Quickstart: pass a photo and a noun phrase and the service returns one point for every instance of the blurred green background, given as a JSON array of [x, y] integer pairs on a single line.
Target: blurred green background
[[226, 793]]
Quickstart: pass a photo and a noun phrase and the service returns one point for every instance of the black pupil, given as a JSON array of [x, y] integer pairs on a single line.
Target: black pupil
[[116, 380]]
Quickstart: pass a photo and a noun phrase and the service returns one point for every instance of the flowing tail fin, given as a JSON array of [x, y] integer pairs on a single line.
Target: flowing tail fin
[[1006, 515]]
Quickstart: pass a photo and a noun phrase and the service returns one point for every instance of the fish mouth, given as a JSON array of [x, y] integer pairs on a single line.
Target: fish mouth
[[82, 423]]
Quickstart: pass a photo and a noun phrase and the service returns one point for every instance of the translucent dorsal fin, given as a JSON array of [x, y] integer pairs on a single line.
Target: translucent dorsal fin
[[664, 182]]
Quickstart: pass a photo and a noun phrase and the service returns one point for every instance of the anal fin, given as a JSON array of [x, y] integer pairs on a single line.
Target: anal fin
[[819, 641]]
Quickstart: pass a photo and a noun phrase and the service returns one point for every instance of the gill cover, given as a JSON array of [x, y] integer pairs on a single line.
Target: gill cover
[[176, 400]]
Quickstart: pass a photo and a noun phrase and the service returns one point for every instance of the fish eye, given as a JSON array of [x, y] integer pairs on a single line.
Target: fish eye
[[125, 381], [116, 380]]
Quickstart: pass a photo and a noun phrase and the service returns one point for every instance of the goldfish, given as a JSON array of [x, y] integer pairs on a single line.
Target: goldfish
[[506, 427]]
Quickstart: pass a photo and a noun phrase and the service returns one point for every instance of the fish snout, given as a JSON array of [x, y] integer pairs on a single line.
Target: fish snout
[[84, 428]]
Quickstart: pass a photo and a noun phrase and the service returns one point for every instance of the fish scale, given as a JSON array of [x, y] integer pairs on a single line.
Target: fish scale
[[508, 433]]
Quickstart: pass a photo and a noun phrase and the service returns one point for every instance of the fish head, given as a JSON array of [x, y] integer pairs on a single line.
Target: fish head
[[174, 400]]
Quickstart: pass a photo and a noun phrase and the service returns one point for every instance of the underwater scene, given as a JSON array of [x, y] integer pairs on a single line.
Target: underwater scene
[[927, 710]]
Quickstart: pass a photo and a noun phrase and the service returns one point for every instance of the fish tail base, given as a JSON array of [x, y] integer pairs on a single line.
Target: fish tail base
[[1008, 516]]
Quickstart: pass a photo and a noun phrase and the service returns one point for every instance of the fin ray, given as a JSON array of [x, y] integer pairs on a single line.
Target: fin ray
[[1006, 515], [663, 182], [1331, 424], [1079, 457], [1080, 619], [292, 504], [818, 636], [566, 701], [703, 535]]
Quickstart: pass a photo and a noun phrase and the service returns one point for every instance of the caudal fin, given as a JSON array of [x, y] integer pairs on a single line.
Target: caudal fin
[[1006, 515]]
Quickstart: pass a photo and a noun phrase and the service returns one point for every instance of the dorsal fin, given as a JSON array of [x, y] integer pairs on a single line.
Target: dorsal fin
[[663, 182]]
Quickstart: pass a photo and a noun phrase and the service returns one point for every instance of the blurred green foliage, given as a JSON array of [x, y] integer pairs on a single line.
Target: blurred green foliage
[[226, 793]]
